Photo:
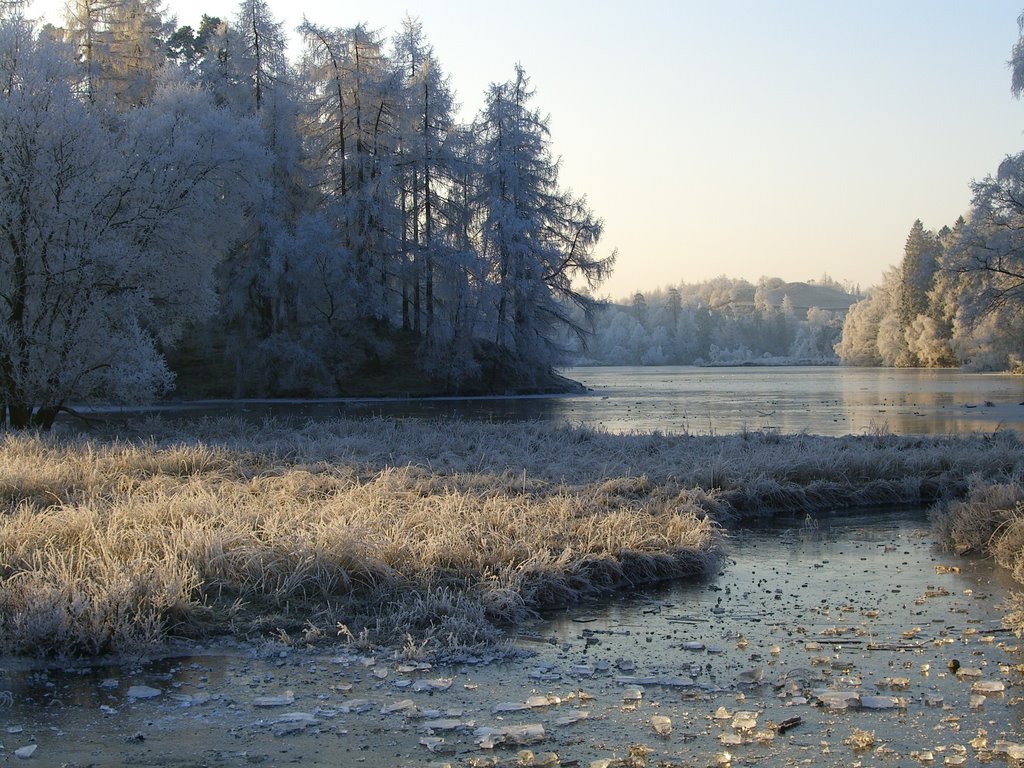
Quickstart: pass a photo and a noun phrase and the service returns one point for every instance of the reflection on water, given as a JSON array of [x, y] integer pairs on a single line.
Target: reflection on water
[[823, 401], [679, 399]]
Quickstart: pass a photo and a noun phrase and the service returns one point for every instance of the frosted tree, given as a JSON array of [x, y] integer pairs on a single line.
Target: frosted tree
[[1017, 61], [244, 65], [921, 258], [120, 47], [426, 162], [537, 237], [111, 231], [859, 342], [989, 257], [351, 103]]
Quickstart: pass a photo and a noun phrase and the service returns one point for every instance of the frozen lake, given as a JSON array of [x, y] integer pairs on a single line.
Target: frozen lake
[[681, 399]]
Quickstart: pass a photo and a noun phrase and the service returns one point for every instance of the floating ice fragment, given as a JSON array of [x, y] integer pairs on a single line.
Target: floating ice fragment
[[573, 717], [897, 683], [305, 718], [634, 693], [693, 645], [722, 714], [662, 725], [110, 683], [730, 739], [837, 699], [988, 686], [881, 702], [1011, 749], [24, 753], [433, 743], [356, 706], [284, 700], [445, 724], [670, 682], [488, 737], [971, 672], [545, 675], [399, 706], [538, 701], [744, 721], [142, 692], [509, 706]]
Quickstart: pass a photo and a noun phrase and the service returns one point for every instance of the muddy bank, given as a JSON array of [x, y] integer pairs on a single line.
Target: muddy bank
[[843, 628]]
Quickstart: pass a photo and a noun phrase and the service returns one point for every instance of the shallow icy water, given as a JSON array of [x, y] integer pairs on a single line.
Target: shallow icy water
[[702, 401], [862, 606]]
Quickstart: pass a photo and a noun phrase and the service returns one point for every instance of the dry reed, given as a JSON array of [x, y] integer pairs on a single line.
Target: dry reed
[[439, 531], [989, 520]]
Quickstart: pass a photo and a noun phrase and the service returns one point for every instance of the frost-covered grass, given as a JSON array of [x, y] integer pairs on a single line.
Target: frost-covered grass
[[439, 531], [990, 520]]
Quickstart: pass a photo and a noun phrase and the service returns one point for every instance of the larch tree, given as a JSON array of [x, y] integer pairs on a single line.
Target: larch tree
[[352, 105], [432, 170], [110, 231], [538, 238], [120, 48]]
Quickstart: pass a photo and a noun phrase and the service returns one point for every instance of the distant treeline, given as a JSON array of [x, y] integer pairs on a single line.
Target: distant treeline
[[723, 321]]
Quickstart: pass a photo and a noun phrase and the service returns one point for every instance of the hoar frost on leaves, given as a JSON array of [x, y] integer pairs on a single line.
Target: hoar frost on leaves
[[112, 224]]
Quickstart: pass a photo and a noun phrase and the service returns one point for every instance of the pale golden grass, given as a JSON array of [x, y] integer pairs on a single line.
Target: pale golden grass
[[432, 534], [989, 520]]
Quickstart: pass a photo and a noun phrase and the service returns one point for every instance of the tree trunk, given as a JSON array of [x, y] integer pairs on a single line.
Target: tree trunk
[[20, 416], [45, 416]]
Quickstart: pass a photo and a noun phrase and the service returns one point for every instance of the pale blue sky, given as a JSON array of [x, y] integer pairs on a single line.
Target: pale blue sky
[[739, 138]]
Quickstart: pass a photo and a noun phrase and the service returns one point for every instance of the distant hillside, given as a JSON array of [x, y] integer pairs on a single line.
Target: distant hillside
[[802, 297]]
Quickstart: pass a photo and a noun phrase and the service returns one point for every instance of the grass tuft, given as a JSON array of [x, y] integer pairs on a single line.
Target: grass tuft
[[989, 520]]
